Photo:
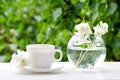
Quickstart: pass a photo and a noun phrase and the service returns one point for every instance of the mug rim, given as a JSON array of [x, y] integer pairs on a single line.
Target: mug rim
[[40, 46]]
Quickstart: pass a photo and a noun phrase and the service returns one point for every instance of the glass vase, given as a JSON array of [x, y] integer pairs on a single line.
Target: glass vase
[[86, 58]]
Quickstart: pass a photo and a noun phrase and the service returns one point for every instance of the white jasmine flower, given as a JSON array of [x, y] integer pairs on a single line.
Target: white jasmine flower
[[98, 31], [20, 59], [83, 29], [101, 29], [104, 27]]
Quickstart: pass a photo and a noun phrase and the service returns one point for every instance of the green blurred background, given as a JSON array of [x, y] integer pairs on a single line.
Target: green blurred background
[[25, 22]]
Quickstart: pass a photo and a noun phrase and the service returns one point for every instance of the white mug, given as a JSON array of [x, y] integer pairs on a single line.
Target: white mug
[[43, 55]]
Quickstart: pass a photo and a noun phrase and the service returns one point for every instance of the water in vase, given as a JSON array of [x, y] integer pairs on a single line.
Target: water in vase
[[86, 58]]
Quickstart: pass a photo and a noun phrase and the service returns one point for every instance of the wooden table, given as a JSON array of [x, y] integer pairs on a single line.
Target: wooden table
[[107, 71]]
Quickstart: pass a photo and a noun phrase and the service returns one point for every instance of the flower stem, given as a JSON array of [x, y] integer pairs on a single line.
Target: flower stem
[[82, 54]]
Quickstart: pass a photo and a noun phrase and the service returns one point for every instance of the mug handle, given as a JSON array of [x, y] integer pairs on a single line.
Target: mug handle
[[61, 55]]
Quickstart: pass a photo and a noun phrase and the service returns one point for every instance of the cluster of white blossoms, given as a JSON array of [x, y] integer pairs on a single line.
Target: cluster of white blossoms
[[20, 59], [101, 29], [84, 31]]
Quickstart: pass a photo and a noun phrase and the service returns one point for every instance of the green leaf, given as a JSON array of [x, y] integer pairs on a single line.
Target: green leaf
[[95, 16], [38, 18], [13, 47], [69, 24], [50, 32], [57, 13], [117, 53], [83, 46], [112, 8], [40, 37], [116, 43], [79, 5], [115, 16], [95, 8], [118, 34], [77, 8]]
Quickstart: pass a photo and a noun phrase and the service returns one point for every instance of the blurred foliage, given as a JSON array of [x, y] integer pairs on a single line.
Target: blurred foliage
[[25, 22]]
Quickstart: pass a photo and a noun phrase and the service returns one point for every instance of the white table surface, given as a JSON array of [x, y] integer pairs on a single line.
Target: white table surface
[[107, 71]]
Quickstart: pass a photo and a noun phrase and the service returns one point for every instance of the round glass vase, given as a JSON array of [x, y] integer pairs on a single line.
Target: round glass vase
[[86, 58]]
